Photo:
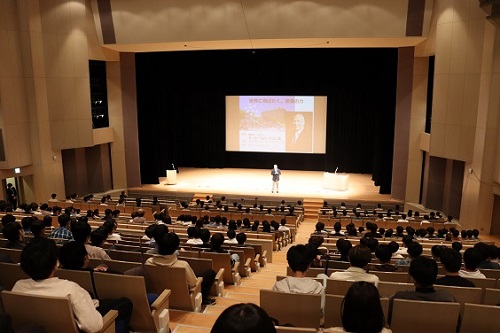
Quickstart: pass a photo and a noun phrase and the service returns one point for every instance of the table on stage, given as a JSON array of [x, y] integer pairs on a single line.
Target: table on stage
[[336, 181]]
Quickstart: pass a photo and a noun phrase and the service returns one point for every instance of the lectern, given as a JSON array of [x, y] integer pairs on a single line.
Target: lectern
[[171, 177], [336, 181]]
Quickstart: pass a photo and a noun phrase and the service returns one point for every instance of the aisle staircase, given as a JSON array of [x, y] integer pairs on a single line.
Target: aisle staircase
[[246, 292]]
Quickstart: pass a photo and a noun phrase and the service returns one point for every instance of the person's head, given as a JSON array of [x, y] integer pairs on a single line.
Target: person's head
[[243, 318], [168, 243], [205, 235], [217, 240], [359, 256], [399, 230], [423, 271], [191, 231], [337, 227], [457, 246], [415, 250], [383, 253], [388, 233], [7, 218], [159, 231], [436, 251], [451, 260], [53, 195], [81, 231], [39, 258], [472, 259], [361, 309], [73, 255], [316, 241], [63, 220], [299, 257], [110, 225], [393, 246], [407, 240], [241, 238], [320, 226], [231, 234], [38, 228], [98, 236], [299, 122], [484, 249], [13, 231], [370, 243], [26, 222], [343, 245]]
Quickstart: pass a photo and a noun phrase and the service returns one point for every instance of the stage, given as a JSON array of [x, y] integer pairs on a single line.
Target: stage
[[257, 183]]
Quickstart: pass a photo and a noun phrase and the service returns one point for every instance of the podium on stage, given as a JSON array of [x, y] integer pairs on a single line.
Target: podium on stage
[[171, 177], [336, 181]]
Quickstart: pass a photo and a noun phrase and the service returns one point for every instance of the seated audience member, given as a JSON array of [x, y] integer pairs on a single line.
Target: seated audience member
[[38, 228], [457, 246], [39, 262], [97, 239], [216, 242], [243, 318], [315, 243], [320, 228], [415, 249], [167, 246], [343, 246], [53, 198], [205, 237], [14, 234], [140, 219], [193, 236], [407, 240], [486, 263], [384, 255], [372, 233], [399, 231], [73, 255], [430, 232], [283, 227], [423, 272], [370, 243], [361, 310], [231, 237], [63, 231], [394, 247], [451, 260], [157, 232], [337, 227], [241, 238], [26, 223], [299, 259], [472, 259], [359, 257], [81, 233], [388, 233], [110, 226], [436, 252]]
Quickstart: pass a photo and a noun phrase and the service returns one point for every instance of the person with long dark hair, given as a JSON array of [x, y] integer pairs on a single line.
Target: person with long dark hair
[[361, 310], [243, 318]]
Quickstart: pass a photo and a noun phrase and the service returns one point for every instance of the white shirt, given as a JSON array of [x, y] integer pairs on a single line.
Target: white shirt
[[475, 275], [296, 285], [96, 252], [194, 241], [231, 241], [87, 317], [355, 274]]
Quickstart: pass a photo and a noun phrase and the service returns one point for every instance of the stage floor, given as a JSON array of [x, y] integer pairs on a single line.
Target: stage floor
[[257, 182]]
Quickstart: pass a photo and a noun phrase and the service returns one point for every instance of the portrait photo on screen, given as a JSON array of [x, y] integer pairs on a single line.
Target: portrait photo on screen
[[295, 124]]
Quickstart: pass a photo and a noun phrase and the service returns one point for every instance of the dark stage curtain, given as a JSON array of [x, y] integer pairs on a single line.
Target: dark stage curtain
[[181, 107]]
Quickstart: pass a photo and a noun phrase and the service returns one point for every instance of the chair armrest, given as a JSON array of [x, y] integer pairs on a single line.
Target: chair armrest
[[108, 321], [264, 254], [162, 299], [197, 287], [236, 267], [247, 263], [220, 275]]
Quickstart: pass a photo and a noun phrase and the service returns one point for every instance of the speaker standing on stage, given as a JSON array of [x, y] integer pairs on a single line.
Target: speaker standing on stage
[[275, 172]]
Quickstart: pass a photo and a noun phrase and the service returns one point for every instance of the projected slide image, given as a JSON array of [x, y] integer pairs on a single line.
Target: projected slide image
[[273, 124]]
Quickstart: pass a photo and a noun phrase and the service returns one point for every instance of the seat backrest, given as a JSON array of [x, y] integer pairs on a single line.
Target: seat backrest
[[463, 295], [126, 255], [286, 329], [491, 296], [199, 265], [484, 283], [41, 312], [112, 286], [300, 310], [491, 273], [337, 287], [221, 260], [387, 289], [121, 266], [404, 318], [392, 276], [15, 254], [10, 274], [480, 318], [159, 278], [82, 278]]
